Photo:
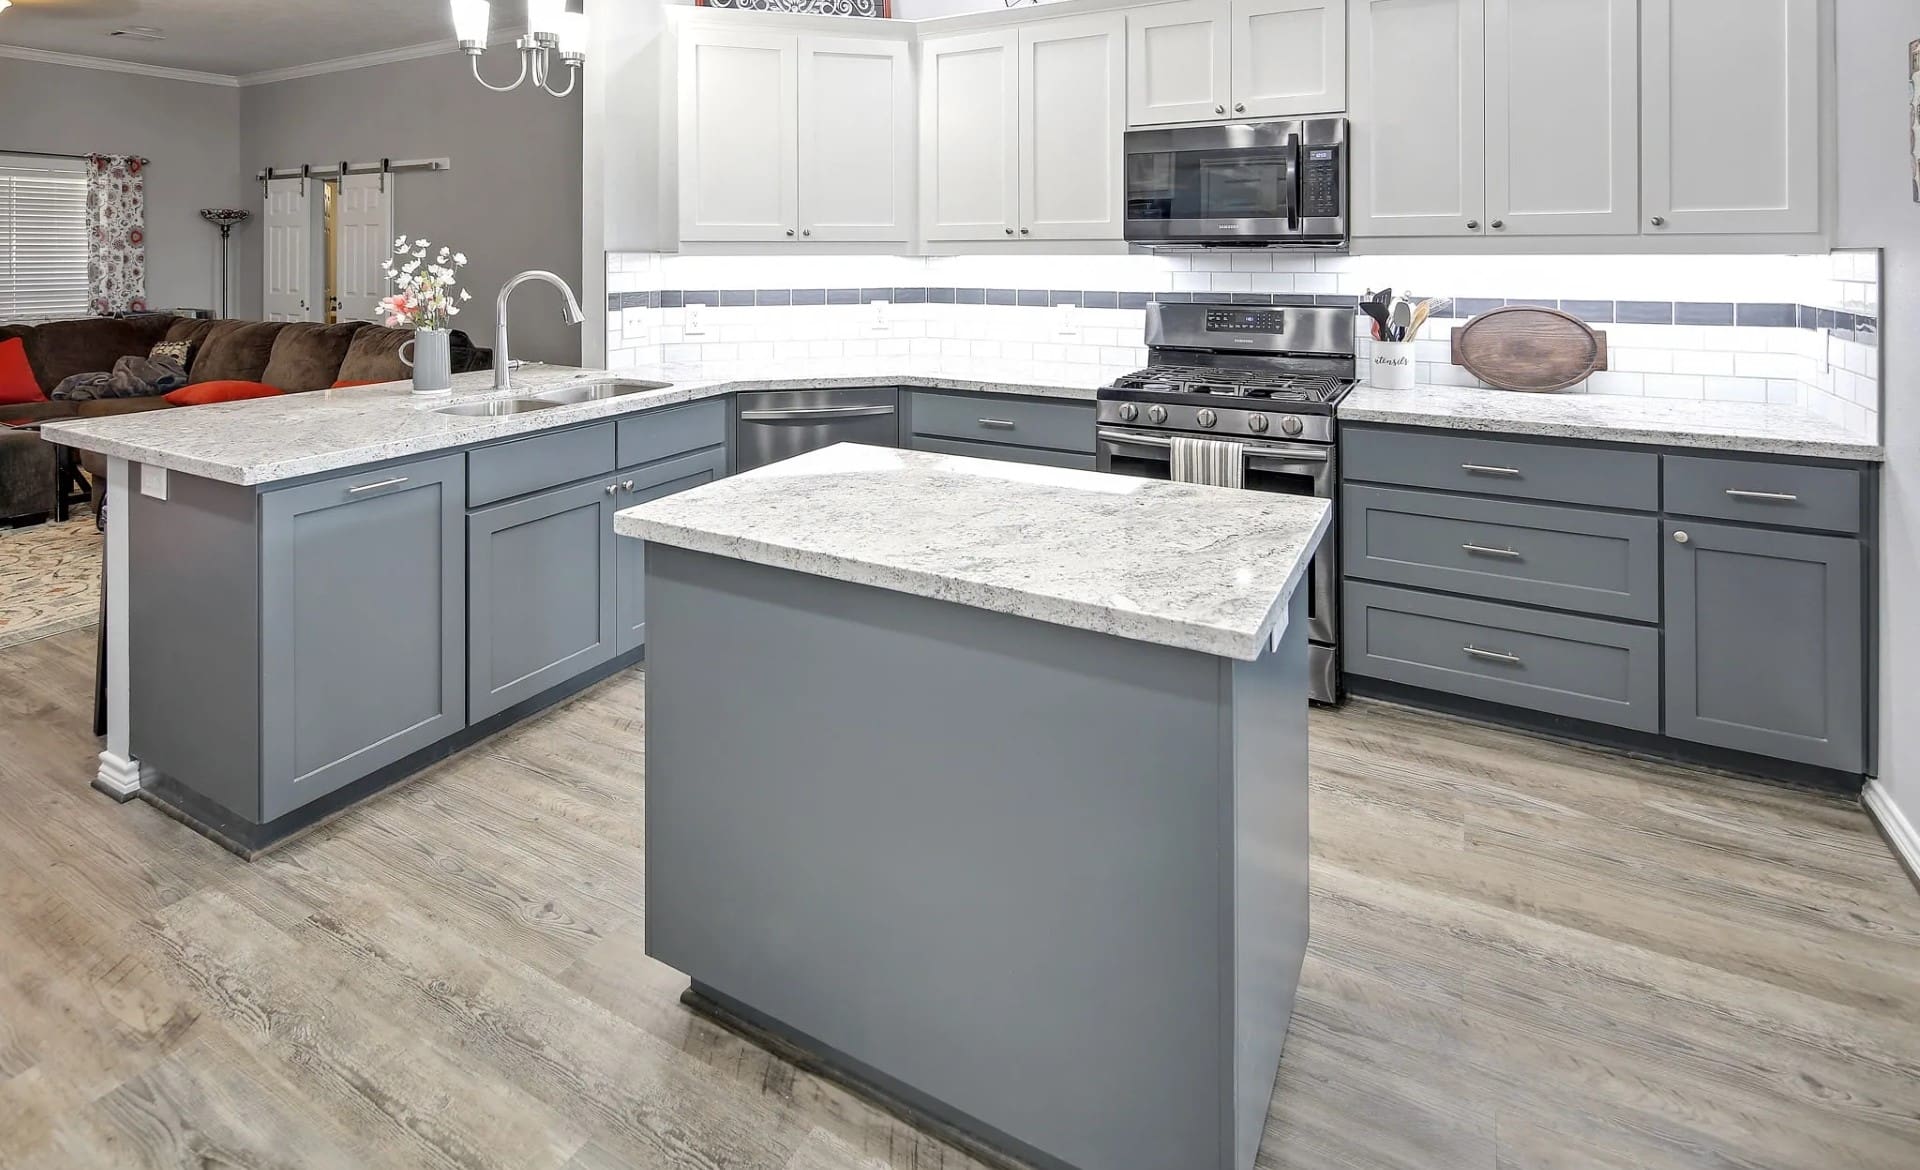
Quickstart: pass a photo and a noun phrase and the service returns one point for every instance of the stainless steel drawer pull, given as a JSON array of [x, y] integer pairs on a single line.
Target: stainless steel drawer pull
[[997, 424], [374, 487], [813, 413], [1776, 497], [1493, 655], [1483, 469], [1481, 550]]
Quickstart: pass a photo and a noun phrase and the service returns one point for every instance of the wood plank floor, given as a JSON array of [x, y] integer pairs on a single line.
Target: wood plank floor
[[1524, 955]]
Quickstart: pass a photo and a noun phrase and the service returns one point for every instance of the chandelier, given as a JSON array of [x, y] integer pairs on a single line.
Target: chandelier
[[551, 31]]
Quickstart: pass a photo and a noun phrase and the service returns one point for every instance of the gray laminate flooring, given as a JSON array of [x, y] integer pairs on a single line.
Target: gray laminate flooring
[[1524, 955]]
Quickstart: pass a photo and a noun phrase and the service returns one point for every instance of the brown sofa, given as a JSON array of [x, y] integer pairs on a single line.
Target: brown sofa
[[294, 356]]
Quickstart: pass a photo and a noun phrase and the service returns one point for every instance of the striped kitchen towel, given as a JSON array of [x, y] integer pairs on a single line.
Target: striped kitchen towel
[[1209, 461]]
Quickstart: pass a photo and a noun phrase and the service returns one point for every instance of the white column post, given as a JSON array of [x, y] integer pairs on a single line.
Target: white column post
[[120, 775]]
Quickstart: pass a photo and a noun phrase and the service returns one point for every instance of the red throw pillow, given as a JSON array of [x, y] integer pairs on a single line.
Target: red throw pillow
[[348, 385], [203, 393], [17, 383]]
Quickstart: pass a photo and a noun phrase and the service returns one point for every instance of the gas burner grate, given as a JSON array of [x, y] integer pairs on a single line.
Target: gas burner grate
[[1271, 385]]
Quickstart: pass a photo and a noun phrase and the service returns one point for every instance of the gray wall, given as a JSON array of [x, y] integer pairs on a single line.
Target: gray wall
[[190, 131], [1877, 210], [512, 200]]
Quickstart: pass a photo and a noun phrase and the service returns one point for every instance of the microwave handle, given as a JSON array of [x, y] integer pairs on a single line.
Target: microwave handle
[[1293, 184]]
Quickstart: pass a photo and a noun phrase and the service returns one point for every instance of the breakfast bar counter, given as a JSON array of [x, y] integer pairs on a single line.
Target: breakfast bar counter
[[985, 786]]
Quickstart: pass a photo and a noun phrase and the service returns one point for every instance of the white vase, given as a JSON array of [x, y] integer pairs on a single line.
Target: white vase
[[1392, 367], [431, 360]]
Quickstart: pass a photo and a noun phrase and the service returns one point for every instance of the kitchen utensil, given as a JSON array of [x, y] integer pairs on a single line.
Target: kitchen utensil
[[1400, 318], [1523, 347]]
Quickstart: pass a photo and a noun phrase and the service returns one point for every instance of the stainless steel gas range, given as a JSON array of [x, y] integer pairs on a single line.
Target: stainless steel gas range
[[1266, 378]]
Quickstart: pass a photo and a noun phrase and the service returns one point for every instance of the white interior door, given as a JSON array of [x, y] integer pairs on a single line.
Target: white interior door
[[287, 283], [1073, 102], [1289, 57], [1419, 96], [1563, 117], [1179, 63], [856, 139], [969, 131], [362, 238], [739, 135]]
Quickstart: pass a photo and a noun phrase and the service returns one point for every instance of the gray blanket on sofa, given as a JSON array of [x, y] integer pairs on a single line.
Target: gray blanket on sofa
[[131, 377]]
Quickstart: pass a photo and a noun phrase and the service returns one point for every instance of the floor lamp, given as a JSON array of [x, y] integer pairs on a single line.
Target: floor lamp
[[226, 219]]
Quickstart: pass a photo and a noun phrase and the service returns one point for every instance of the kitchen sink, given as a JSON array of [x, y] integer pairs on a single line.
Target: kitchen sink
[[598, 391], [497, 407]]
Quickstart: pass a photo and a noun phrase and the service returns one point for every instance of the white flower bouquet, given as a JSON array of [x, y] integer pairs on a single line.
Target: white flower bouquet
[[426, 295]]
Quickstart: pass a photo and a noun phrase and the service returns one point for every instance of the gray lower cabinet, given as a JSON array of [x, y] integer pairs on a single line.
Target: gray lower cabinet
[[1046, 432], [541, 580], [1039, 456], [637, 486], [1765, 635], [362, 624]]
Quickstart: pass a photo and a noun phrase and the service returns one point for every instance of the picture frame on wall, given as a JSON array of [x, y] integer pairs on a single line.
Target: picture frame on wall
[[877, 9]]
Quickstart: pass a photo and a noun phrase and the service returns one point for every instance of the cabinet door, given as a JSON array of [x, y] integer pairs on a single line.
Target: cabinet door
[[637, 486], [739, 130], [1179, 63], [1419, 117], [540, 577], [1731, 109], [362, 626], [969, 136], [1766, 643], [856, 140], [1073, 100], [1563, 128], [1289, 57]]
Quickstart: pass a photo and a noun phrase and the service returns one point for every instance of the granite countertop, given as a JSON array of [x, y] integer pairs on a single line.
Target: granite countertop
[[273, 439], [1199, 568], [1614, 418]]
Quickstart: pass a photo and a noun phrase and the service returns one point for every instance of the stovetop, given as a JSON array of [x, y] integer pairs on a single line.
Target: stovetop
[[1250, 388]]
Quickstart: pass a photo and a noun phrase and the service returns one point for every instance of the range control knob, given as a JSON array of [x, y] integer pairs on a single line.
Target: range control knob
[[1128, 412], [1291, 425], [1258, 424], [1206, 418], [1157, 413]]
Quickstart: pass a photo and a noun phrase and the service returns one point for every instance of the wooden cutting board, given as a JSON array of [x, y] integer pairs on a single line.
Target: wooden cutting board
[[1524, 347]]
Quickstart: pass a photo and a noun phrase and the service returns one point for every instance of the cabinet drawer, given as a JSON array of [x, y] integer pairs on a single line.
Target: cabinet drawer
[[1761, 491], [1062, 426], [1501, 467], [532, 464], [1034, 455], [1582, 668], [658, 434], [1591, 562]]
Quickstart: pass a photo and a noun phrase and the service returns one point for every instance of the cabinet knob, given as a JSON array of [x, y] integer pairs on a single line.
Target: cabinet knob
[[1681, 538], [1025, 231], [789, 231], [806, 231], [1239, 107], [626, 485], [1473, 225], [1659, 221], [1499, 224], [1219, 109], [1009, 231], [612, 488]]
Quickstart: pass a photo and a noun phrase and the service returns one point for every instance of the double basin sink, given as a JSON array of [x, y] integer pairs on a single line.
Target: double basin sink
[[548, 399]]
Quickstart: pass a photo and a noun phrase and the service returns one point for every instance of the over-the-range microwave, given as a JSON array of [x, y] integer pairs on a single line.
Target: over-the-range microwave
[[1279, 184]]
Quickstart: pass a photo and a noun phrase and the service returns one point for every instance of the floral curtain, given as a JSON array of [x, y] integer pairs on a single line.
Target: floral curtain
[[117, 233]]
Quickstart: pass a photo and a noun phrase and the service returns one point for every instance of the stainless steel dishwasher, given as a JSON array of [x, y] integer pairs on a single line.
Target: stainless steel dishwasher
[[780, 424]]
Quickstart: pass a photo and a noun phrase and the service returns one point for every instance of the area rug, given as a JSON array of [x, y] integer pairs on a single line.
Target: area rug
[[49, 579]]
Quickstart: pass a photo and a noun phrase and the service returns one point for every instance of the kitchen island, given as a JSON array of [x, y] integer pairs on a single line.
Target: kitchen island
[[985, 787]]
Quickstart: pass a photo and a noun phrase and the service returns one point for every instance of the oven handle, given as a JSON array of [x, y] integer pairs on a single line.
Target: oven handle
[[1300, 453]]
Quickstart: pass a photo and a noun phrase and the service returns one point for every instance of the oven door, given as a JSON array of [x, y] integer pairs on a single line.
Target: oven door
[[1181, 191], [1298, 469]]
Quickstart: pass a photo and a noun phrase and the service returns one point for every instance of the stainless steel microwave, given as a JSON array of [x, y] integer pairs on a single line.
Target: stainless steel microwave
[[1251, 184]]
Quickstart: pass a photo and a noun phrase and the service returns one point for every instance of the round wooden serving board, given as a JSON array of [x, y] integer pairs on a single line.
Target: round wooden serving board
[[1525, 347]]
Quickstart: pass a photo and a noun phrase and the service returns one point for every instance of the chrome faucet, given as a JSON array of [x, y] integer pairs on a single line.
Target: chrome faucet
[[502, 365]]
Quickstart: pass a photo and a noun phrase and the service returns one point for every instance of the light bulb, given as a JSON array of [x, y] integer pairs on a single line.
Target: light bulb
[[470, 19], [573, 34], [543, 17]]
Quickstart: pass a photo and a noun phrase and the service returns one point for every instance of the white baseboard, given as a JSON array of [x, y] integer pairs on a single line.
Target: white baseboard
[[1893, 822], [120, 777]]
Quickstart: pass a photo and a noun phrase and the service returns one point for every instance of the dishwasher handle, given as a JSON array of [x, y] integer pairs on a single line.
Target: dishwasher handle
[[814, 413]]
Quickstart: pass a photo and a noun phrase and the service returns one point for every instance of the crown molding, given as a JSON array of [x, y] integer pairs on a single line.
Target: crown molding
[[504, 36], [162, 72]]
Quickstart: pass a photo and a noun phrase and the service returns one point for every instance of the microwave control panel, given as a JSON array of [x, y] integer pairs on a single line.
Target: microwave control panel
[[1320, 194]]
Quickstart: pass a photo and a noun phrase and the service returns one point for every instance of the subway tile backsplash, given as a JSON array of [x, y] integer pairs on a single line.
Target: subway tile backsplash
[[1798, 330]]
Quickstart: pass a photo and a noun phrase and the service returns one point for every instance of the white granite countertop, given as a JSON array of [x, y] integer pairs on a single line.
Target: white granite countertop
[[1200, 568], [1614, 418], [272, 439]]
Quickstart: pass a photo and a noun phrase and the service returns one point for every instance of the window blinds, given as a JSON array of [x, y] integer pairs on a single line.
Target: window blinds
[[43, 241]]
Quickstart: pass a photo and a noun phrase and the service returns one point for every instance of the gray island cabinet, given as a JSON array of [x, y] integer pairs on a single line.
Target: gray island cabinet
[[986, 787]]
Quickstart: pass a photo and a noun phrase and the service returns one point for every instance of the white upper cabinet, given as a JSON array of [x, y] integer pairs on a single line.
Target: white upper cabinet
[[1419, 117], [1179, 63], [1731, 116], [856, 139], [1225, 60], [969, 129], [1289, 57], [1073, 102], [1563, 123], [739, 128]]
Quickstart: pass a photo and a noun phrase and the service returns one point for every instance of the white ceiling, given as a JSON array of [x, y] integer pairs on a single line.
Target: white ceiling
[[234, 37]]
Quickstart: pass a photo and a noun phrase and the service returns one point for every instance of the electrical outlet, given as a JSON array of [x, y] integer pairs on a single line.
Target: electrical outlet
[[1063, 322], [879, 321], [695, 324]]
